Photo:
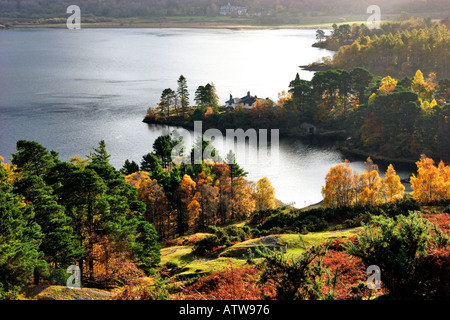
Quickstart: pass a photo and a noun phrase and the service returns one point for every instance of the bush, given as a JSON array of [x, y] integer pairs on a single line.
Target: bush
[[205, 245], [396, 245], [59, 276], [298, 278], [235, 233], [433, 275]]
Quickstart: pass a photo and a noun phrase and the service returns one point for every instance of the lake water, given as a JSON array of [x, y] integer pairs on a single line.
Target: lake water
[[69, 89]]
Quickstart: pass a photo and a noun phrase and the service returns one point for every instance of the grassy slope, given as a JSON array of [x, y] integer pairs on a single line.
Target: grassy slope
[[55, 292], [191, 264]]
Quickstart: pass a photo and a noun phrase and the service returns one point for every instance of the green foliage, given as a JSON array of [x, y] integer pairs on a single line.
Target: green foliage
[[129, 167], [205, 245], [399, 52], [319, 219], [396, 245], [20, 238], [146, 247], [162, 149], [298, 278], [100, 155], [66, 210], [31, 158]]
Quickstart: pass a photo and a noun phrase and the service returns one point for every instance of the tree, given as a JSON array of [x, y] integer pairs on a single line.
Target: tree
[[153, 195], [387, 85], [59, 244], [339, 186], [146, 248], [20, 239], [162, 149], [32, 158], [361, 79], [183, 94], [391, 188], [236, 172], [265, 195], [242, 201], [186, 214], [167, 99], [129, 167], [431, 183], [83, 194], [100, 155], [79, 162], [207, 199], [320, 35], [201, 98], [370, 184], [424, 88]]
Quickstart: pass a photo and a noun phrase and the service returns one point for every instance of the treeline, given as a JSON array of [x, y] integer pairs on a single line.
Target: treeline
[[385, 117], [346, 34], [344, 188], [187, 197], [399, 51], [56, 214], [280, 9]]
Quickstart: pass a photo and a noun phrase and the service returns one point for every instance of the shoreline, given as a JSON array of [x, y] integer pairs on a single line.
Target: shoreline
[[167, 23], [335, 136]]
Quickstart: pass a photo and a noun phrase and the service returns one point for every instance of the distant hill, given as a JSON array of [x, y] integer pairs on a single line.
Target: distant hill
[[287, 11]]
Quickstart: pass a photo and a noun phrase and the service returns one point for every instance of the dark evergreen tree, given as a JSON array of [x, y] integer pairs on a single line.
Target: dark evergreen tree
[[129, 167]]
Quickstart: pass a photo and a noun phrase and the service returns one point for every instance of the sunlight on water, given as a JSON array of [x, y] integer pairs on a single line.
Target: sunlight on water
[[70, 89]]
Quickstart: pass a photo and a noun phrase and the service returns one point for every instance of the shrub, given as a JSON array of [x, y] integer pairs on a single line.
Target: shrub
[[143, 290], [298, 278], [230, 284], [235, 233], [59, 276], [396, 245], [205, 245], [433, 275]]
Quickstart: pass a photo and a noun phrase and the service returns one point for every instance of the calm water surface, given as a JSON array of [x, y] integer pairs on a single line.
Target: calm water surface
[[68, 90]]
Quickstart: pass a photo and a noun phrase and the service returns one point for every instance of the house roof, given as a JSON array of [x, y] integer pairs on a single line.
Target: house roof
[[248, 99]]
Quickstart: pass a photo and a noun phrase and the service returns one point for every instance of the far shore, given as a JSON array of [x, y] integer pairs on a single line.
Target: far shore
[[171, 23]]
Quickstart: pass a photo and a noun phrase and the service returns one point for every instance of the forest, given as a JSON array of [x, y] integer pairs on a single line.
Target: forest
[[261, 11], [138, 230], [163, 229], [396, 119], [397, 49]]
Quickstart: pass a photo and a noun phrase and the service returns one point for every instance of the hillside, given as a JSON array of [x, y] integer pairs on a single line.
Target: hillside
[[261, 12]]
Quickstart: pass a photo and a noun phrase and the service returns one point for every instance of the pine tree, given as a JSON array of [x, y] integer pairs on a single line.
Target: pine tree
[[183, 94], [20, 239], [100, 155]]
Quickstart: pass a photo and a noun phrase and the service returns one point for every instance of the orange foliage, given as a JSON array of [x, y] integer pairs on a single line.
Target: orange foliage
[[431, 183], [392, 188], [442, 220], [265, 195], [209, 111], [345, 188], [230, 284], [339, 186], [112, 264]]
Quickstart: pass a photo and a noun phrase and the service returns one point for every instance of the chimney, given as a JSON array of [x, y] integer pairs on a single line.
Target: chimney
[[248, 94]]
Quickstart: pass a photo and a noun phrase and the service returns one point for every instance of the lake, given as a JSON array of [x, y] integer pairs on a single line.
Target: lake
[[69, 89]]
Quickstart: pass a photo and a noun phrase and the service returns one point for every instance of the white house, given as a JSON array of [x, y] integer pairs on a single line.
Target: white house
[[228, 9], [247, 101]]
